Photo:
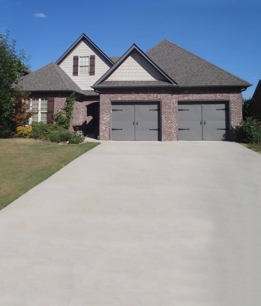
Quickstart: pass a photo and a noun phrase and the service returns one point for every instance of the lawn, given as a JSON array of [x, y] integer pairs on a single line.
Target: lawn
[[24, 163], [255, 147]]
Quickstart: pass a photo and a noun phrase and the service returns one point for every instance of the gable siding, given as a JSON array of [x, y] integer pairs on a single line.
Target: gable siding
[[84, 81], [135, 68]]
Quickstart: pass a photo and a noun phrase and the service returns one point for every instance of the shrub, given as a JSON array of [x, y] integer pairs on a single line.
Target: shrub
[[23, 131], [54, 133], [249, 131], [42, 130]]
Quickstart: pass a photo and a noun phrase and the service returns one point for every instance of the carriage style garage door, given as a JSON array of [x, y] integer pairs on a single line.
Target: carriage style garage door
[[135, 121], [203, 120]]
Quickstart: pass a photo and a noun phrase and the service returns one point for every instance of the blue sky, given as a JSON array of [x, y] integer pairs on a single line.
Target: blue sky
[[225, 32]]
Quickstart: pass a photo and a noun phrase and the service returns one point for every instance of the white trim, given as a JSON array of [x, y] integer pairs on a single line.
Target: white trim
[[39, 110]]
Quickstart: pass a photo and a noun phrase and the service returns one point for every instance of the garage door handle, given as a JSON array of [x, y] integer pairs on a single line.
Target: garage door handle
[[200, 122], [204, 122], [137, 122], [133, 122]]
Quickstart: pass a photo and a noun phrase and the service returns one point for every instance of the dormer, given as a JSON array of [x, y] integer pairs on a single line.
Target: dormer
[[84, 62]]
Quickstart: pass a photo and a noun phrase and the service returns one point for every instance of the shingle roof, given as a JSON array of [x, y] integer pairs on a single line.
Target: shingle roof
[[188, 69], [49, 78], [115, 58]]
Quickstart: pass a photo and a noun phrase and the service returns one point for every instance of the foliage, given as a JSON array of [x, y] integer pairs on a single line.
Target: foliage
[[12, 66], [54, 133], [24, 163], [65, 136], [42, 130], [64, 118], [23, 131], [21, 109], [249, 131]]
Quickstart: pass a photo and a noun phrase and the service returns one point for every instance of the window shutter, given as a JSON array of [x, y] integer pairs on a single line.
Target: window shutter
[[75, 65], [50, 110], [92, 65]]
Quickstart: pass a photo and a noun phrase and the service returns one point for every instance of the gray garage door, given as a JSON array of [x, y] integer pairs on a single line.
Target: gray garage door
[[135, 121], [203, 121]]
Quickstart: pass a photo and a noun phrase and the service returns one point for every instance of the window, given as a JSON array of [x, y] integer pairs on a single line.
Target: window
[[39, 106], [84, 64]]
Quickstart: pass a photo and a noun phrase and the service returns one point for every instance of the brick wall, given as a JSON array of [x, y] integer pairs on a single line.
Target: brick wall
[[168, 102], [79, 115]]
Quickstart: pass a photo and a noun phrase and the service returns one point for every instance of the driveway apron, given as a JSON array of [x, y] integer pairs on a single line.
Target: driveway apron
[[138, 224]]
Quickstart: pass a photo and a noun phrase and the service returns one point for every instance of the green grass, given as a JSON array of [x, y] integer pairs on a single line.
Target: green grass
[[24, 163], [255, 147]]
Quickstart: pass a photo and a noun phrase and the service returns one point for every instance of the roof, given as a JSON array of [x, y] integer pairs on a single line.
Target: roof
[[49, 78], [115, 58], [102, 81], [111, 84], [188, 69], [257, 92], [82, 38]]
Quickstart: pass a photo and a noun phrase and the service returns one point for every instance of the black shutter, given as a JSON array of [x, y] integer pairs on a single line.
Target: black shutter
[[75, 65], [50, 110], [92, 65]]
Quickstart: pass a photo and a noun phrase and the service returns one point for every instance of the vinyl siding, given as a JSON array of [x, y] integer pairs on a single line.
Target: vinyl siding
[[84, 81], [135, 68]]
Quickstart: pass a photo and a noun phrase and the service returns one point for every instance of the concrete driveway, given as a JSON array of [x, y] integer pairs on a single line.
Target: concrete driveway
[[135, 224]]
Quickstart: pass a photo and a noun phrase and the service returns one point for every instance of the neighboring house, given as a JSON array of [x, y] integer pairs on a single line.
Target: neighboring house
[[164, 94], [256, 100]]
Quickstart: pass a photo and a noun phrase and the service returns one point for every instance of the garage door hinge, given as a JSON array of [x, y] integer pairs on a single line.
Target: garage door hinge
[[183, 109], [183, 129]]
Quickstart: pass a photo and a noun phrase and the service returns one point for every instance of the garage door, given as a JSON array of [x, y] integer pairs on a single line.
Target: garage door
[[203, 121], [135, 121]]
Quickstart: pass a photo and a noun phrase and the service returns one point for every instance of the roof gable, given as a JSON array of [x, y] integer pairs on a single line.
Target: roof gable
[[134, 66], [49, 78], [189, 69], [86, 39]]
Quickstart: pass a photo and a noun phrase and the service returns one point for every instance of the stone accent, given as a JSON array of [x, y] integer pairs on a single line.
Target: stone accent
[[168, 103]]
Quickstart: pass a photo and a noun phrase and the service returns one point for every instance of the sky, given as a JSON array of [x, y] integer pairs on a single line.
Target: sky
[[225, 32]]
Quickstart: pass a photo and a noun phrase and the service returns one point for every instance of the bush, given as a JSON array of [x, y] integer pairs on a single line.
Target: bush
[[249, 131], [42, 130], [23, 131], [54, 133]]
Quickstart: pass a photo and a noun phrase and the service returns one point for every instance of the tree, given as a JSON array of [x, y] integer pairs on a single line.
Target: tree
[[21, 109], [12, 67]]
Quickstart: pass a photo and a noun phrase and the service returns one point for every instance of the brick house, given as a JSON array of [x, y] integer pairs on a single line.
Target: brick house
[[256, 100], [164, 94]]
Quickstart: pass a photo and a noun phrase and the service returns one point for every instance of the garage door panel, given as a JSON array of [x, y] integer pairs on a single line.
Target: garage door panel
[[122, 119], [147, 122], [215, 121], [189, 122]]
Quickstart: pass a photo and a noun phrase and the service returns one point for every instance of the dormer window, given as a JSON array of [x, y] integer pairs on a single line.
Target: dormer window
[[84, 64]]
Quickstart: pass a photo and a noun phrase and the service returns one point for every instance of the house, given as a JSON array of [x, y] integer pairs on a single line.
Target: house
[[166, 93], [255, 102]]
